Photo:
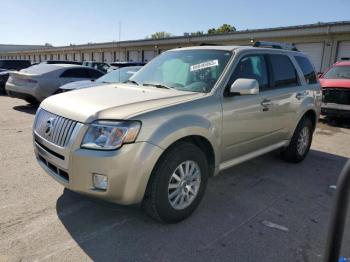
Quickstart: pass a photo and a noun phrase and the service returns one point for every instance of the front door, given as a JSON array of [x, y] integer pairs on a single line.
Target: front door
[[247, 119]]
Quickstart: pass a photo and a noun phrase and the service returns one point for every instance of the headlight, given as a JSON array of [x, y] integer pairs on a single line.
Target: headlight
[[108, 135]]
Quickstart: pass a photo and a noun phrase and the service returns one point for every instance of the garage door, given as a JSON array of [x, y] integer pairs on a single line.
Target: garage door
[[343, 50], [108, 57], [120, 56], [97, 57], [149, 55], [87, 56], [77, 57], [134, 56], [70, 57], [314, 51]]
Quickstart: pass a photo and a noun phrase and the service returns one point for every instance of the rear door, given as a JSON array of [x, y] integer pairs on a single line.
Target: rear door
[[74, 74], [286, 93], [94, 74]]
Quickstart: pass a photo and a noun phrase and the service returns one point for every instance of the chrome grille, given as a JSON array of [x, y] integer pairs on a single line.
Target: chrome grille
[[53, 128], [336, 95]]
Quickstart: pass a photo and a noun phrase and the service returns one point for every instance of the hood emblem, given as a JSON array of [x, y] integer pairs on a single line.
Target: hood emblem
[[49, 126]]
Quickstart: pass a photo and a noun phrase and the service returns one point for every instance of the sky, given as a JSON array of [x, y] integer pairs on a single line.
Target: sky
[[67, 22]]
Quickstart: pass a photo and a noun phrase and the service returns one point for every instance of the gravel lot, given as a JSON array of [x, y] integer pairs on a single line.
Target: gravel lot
[[40, 221]]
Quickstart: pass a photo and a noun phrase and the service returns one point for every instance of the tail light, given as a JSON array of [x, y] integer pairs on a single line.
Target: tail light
[[31, 81]]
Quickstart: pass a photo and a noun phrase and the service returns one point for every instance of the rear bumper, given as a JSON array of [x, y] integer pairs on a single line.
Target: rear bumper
[[23, 96], [21, 92], [335, 110]]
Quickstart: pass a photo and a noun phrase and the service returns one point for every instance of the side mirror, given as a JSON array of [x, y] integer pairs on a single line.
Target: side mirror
[[244, 86], [319, 74]]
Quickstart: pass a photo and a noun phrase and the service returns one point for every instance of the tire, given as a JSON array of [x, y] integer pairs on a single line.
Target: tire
[[299, 148], [160, 201], [32, 101]]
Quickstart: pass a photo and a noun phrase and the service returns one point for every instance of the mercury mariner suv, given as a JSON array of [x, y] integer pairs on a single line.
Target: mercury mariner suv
[[184, 117]]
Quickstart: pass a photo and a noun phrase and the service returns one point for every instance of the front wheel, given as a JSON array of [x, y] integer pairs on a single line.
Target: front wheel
[[300, 143], [177, 184]]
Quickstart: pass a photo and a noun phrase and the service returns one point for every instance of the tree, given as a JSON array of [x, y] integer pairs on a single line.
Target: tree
[[159, 35], [225, 28], [211, 31], [197, 33]]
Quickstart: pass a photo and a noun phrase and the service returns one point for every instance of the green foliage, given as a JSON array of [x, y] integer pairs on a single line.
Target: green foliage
[[160, 35], [225, 28]]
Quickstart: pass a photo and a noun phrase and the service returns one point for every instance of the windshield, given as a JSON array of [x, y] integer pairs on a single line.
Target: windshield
[[187, 70], [120, 75], [338, 72]]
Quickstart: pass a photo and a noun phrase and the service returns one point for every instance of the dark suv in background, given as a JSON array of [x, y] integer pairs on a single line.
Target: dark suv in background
[[6, 66]]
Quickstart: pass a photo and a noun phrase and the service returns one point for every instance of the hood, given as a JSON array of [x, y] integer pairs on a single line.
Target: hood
[[79, 85], [113, 101], [336, 83]]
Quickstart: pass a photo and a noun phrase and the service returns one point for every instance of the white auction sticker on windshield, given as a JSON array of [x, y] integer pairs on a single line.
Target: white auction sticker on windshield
[[207, 64]]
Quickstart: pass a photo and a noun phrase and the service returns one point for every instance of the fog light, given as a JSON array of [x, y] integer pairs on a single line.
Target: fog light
[[100, 181]]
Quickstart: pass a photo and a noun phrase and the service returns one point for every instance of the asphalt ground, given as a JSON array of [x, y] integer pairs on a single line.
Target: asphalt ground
[[261, 210]]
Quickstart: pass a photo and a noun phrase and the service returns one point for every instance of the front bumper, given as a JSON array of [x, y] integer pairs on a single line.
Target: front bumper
[[128, 169], [335, 110]]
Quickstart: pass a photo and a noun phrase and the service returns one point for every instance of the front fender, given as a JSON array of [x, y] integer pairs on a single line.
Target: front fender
[[179, 127]]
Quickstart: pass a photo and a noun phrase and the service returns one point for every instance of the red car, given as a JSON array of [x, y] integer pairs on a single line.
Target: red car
[[335, 83]]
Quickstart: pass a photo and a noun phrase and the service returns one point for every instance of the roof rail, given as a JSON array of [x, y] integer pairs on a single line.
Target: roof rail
[[276, 45]]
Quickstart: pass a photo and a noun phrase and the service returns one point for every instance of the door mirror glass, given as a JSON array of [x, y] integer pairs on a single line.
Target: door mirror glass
[[244, 86]]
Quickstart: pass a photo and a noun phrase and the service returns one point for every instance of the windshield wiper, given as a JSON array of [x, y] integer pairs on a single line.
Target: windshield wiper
[[158, 85], [132, 82]]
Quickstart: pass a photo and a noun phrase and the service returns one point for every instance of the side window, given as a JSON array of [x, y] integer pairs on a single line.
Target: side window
[[252, 67], [307, 68], [283, 71], [76, 73], [94, 73]]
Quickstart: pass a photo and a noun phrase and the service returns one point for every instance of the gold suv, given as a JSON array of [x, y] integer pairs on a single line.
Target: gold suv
[[184, 117]]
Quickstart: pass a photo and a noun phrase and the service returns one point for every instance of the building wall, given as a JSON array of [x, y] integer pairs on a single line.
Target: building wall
[[324, 43]]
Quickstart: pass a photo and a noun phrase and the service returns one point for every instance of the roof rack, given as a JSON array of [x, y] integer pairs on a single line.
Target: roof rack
[[276, 45]]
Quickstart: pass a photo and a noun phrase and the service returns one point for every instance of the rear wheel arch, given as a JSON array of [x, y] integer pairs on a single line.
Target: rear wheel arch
[[310, 114]]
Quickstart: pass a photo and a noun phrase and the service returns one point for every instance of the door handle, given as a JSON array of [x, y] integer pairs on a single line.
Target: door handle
[[266, 103]]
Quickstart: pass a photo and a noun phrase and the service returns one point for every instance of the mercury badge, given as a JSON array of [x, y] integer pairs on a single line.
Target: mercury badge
[[49, 126]]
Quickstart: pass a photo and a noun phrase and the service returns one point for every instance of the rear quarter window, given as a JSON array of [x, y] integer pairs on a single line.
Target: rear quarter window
[[95, 74], [283, 71], [307, 69], [76, 73]]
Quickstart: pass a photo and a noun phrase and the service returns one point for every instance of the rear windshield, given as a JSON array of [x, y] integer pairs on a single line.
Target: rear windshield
[[40, 69], [338, 72]]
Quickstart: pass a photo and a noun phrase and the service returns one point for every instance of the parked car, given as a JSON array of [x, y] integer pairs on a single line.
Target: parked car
[[187, 115], [116, 65], [38, 82], [120, 75], [335, 84], [97, 65], [8, 65]]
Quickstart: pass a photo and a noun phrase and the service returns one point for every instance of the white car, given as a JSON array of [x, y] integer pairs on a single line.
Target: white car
[[38, 82], [120, 75]]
